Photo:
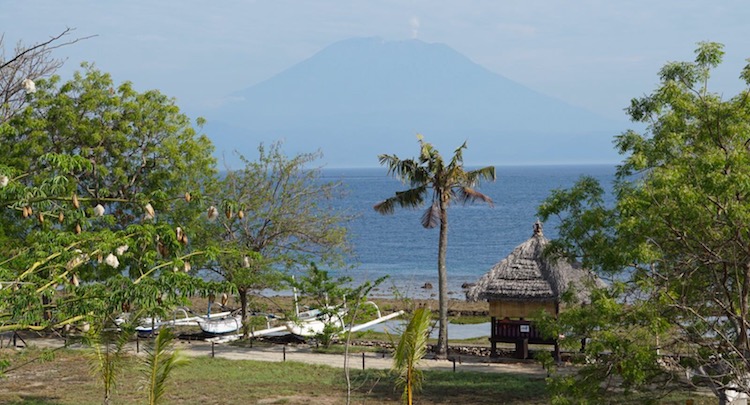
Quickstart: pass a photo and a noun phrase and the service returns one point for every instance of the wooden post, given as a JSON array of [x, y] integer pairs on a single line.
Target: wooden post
[[284, 351], [454, 364], [363, 360], [212, 349], [137, 344], [522, 348], [493, 342]]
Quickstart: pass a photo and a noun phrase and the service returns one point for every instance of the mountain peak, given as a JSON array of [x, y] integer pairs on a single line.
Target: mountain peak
[[363, 96]]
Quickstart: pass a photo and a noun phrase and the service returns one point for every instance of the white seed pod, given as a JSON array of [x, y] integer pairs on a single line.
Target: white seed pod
[[212, 213], [112, 261], [4, 181], [74, 280], [240, 214], [150, 213], [85, 327], [186, 267], [78, 229], [179, 233], [224, 299], [61, 217], [187, 197], [121, 250], [76, 261], [245, 262], [29, 86], [76, 203], [99, 210]]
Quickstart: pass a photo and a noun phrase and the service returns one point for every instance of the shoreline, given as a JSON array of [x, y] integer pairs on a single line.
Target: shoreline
[[280, 303]]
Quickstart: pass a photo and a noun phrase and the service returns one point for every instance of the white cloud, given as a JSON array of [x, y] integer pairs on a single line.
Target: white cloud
[[414, 23]]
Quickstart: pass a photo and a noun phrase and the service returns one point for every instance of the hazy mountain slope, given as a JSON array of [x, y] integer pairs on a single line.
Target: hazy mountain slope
[[360, 97]]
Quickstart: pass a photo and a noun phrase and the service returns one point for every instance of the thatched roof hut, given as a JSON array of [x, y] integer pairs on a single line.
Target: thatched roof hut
[[527, 277]]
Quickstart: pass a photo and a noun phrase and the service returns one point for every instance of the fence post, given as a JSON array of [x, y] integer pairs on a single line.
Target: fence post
[[284, 350], [363, 360], [212, 349]]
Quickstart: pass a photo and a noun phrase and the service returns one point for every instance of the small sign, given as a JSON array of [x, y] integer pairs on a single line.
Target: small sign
[[524, 328]]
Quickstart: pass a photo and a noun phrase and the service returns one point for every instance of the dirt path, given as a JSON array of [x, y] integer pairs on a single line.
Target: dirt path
[[304, 354]]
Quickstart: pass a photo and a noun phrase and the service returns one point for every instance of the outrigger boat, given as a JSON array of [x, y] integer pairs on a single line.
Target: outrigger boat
[[314, 321], [214, 324], [219, 324], [310, 323]]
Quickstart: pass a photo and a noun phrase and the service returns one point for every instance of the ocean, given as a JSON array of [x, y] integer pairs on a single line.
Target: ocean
[[478, 235]]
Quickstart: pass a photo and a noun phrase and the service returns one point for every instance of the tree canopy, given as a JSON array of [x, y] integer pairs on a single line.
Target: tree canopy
[[275, 215], [93, 183], [675, 242]]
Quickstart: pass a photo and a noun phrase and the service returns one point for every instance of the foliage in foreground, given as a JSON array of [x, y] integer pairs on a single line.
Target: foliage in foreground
[[674, 243], [411, 348]]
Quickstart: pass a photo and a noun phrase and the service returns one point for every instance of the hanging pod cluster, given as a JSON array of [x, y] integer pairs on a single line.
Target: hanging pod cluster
[[181, 236]]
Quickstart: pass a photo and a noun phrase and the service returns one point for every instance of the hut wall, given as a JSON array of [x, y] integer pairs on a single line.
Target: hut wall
[[520, 309]]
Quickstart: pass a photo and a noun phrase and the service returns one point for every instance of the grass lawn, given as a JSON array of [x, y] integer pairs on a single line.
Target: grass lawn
[[66, 380]]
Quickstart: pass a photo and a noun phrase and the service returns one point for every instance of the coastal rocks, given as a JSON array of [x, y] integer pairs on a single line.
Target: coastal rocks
[[466, 286], [427, 286], [472, 351]]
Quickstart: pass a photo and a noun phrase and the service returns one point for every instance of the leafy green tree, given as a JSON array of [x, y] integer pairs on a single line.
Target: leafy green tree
[[674, 241], [411, 348], [93, 184], [275, 216], [431, 178]]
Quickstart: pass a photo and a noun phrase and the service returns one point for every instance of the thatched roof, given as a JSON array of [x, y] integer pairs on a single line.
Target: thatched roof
[[526, 275]]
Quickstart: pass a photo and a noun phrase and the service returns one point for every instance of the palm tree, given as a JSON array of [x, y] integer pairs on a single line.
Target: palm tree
[[410, 349], [430, 178], [158, 364]]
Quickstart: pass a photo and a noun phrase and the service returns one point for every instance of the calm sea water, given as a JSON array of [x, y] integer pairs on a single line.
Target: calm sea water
[[478, 235]]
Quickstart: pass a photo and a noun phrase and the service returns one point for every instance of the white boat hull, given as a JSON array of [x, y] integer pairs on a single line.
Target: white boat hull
[[220, 325], [313, 322]]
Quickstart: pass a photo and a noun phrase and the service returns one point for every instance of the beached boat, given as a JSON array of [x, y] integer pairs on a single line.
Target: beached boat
[[314, 321], [219, 324]]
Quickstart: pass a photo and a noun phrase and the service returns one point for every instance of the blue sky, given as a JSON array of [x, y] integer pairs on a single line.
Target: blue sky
[[593, 54]]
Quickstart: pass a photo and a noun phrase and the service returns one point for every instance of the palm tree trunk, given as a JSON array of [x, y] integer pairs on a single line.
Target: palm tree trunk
[[442, 344], [409, 385]]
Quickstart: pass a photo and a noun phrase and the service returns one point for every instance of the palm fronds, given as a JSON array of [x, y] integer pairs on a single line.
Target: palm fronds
[[410, 198], [431, 216], [468, 194], [159, 362], [107, 353], [410, 349]]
